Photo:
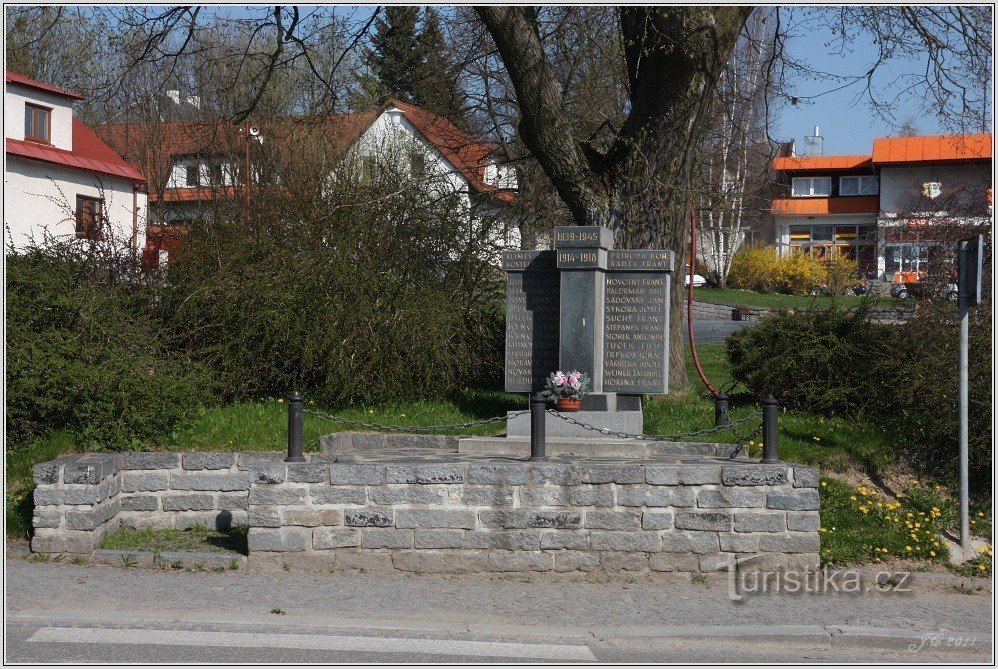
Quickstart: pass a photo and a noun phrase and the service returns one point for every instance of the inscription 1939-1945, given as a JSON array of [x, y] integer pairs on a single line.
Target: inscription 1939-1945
[[532, 318]]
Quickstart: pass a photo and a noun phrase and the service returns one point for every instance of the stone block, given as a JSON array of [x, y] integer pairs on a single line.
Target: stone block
[[806, 477], [514, 560], [385, 538], [140, 503], [655, 496], [552, 472], [264, 516], [673, 562], [230, 501], [220, 520], [752, 474], [700, 543], [406, 494], [603, 540], [307, 473], [283, 540], [796, 500], [281, 496], [739, 543], [591, 495], [611, 473], [254, 461], [657, 520], [369, 518], [503, 518], [336, 494], [146, 482], [150, 460], [426, 474], [711, 521], [445, 562], [46, 472], [486, 495], [760, 522], [311, 517], [210, 482], [683, 475], [513, 540], [496, 474], [554, 519], [789, 543], [146, 520], [324, 538], [46, 517], [807, 521], [534, 496], [62, 541], [271, 474], [431, 518], [717, 562], [613, 520], [209, 460], [188, 503], [437, 539], [614, 561], [566, 561], [731, 498], [46, 496], [565, 539], [86, 471], [92, 519], [354, 474]]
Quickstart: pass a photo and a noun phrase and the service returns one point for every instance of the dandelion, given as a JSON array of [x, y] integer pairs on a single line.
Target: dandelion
[[936, 544], [751, 442], [852, 497], [370, 411], [983, 550], [403, 415], [824, 484], [817, 438], [907, 548], [981, 567], [280, 400], [938, 488], [932, 553], [980, 514]]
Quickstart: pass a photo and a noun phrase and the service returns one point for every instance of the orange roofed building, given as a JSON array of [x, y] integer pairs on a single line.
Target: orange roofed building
[[897, 209]]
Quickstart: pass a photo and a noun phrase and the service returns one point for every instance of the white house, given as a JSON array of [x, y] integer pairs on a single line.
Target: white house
[[195, 168], [60, 180]]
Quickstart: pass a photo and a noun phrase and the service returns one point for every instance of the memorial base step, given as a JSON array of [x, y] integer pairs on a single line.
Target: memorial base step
[[598, 448]]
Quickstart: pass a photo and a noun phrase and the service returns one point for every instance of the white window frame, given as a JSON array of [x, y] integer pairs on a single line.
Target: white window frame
[[863, 185], [809, 190]]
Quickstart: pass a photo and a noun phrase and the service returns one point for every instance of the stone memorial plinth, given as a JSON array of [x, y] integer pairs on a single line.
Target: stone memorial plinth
[[589, 307]]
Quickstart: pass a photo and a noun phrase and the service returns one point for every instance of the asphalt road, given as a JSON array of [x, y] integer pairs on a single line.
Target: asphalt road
[[58, 612]]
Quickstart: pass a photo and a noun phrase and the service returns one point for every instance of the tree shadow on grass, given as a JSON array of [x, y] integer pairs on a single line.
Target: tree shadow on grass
[[488, 403], [233, 539]]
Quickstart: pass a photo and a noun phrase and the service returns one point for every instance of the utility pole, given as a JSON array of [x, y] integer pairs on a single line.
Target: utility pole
[[970, 257]]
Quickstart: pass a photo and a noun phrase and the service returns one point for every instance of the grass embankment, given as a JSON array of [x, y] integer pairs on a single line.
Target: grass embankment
[[857, 459], [750, 298]]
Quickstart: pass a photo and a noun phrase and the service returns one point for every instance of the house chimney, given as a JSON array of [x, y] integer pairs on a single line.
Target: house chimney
[[815, 144]]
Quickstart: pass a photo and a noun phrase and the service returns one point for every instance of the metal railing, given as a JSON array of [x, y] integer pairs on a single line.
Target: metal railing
[[538, 411]]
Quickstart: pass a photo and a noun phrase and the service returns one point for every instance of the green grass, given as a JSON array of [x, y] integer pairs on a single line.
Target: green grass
[[194, 538], [20, 463], [749, 298]]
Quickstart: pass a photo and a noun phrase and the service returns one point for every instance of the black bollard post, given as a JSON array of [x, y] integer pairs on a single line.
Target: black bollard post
[[538, 410], [295, 452], [721, 410], [770, 443]]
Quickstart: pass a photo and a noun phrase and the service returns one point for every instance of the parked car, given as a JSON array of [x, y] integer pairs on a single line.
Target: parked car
[[922, 285], [698, 280]]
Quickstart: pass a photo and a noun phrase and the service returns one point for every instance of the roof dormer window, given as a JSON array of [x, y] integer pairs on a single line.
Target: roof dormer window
[[812, 186], [37, 123]]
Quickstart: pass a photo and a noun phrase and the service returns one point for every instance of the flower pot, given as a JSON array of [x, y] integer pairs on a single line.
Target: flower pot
[[568, 404]]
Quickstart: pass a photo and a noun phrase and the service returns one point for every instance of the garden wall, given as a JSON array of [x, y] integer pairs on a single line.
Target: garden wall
[[448, 515]]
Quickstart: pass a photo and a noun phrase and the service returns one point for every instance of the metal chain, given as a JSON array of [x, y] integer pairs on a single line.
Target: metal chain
[[413, 428], [661, 437]]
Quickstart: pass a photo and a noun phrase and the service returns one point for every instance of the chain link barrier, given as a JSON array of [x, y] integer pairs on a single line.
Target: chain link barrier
[[422, 429], [729, 427], [413, 428]]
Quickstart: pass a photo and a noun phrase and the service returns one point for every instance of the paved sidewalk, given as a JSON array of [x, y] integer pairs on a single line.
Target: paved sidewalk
[[646, 620]]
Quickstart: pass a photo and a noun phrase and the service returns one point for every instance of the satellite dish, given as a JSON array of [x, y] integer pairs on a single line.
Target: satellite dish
[[254, 131]]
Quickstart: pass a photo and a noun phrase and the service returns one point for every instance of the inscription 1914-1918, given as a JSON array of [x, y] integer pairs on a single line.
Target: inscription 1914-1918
[[532, 318]]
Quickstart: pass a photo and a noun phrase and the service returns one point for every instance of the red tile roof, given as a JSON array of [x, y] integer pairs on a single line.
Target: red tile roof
[[824, 163], [89, 153], [15, 78], [817, 206], [932, 148]]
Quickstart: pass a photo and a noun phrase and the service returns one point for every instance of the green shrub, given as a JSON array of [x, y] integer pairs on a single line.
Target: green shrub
[[347, 296], [904, 377], [85, 353]]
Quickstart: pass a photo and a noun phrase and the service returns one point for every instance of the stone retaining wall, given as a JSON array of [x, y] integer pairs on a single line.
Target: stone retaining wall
[[557, 517], [444, 516]]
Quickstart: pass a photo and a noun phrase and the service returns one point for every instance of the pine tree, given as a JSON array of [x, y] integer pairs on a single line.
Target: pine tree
[[394, 56], [436, 87]]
